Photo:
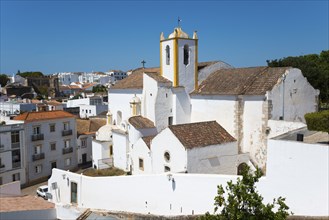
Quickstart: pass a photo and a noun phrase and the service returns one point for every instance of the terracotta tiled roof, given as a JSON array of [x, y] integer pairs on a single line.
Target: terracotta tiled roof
[[134, 80], [241, 81], [141, 122], [147, 140], [23, 203], [45, 115], [201, 134], [158, 78], [89, 126]]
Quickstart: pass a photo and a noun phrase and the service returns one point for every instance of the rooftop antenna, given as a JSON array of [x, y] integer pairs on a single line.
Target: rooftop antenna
[[178, 21], [143, 63]]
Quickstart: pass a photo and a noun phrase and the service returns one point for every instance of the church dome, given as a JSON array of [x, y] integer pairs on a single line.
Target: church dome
[[104, 133], [178, 32]]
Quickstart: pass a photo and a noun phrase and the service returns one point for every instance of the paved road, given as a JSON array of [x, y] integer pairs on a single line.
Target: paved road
[[31, 190]]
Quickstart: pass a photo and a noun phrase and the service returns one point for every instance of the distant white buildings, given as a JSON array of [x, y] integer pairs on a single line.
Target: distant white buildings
[[91, 106]]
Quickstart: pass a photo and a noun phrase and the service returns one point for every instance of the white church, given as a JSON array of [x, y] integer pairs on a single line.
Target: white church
[[198, 117]]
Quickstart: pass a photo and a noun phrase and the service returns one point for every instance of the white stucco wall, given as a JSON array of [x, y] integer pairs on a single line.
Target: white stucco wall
[[119, 100], [278, 127], [140, 151], [216, 159], [299, 97], [295, 170], [166, 141], [168, 70], [299, 172], [120, 151], [150, 92], [100, 150], [219, 108], [85, 150], [163, 107], [186, 72], [254, 124], [181, 106]]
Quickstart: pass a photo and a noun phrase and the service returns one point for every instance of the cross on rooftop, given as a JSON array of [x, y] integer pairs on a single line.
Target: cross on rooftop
[[143, 63]]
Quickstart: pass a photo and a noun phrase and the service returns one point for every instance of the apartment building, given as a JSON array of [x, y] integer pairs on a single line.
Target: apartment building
[[50, 140], [12, 147]]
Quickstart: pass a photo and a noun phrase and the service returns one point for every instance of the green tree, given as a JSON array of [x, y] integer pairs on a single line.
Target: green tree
[[313, 66], [3, 79], [30, 74], [318, 121], [244, 202], [99, 88]]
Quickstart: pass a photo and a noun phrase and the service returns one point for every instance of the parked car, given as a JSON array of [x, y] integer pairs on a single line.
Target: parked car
[[42, 191]]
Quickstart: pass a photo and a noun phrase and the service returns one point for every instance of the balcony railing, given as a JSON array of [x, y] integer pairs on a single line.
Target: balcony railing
[[2, 166], [15, 145], [16, 164], [67, 132], [36, 137], [38, 156], [2, 147], [67, 150]]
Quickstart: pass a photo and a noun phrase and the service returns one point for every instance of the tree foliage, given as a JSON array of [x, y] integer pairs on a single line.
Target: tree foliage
[[29, 74], [99, 88], [313, 66], [3, 79], [244, 202], [318, 121]]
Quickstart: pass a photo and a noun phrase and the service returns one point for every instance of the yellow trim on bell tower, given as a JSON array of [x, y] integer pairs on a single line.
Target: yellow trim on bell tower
[[175, 60]]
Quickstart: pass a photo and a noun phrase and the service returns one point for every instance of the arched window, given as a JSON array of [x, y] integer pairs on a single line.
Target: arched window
[[167, 55], [167, 156], [241, 167], [186, 55]]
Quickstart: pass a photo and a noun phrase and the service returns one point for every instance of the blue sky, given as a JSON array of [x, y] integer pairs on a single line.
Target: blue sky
[[57, 36]]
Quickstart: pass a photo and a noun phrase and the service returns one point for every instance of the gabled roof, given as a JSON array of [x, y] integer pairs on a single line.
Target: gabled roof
[[135, 79], [89, 126], [241, 81], [45, 115], [140, 122], [201, 134], [147, 140], [157, 77]]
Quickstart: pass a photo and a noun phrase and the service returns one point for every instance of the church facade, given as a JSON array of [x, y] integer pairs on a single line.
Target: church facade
[[184, 91]]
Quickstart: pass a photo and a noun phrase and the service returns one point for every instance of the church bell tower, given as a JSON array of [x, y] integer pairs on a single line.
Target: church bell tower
[[179, 59]]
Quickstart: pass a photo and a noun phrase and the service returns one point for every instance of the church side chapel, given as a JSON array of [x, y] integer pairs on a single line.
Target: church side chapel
[[198, 117]]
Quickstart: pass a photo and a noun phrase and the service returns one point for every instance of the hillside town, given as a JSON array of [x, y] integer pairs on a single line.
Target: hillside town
[[176, 131]]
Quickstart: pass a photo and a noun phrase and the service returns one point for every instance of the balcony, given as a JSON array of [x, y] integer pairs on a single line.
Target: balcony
[[67, 150], [38, 156], [2, 147], [16, 164], [67, 132], [37, 137], [15, 145], [2, 166]]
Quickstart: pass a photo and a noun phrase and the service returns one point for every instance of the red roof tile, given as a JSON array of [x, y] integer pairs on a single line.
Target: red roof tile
[[201, 134], [44, 115]]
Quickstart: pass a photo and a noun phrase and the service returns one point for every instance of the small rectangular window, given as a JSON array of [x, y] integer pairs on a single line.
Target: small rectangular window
[[15, 137], [141, 164], [16, 177], [52, 146], [52, 127], [38, 169], [67, 161]]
